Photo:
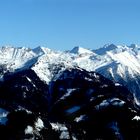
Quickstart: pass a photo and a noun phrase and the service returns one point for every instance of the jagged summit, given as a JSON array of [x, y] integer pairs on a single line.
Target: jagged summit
[[41, 50], [106, 48], [115, 48], [80, 50]]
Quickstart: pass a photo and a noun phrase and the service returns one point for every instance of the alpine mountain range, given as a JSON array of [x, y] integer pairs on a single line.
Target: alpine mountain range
[[77, 94]]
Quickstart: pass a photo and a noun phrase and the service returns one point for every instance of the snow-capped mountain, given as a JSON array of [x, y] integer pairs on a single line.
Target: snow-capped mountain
[[118, 63], [80, 51], [123, 65], [65, 95]]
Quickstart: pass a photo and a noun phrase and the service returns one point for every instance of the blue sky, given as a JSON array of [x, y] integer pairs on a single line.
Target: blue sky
[[63, 24]]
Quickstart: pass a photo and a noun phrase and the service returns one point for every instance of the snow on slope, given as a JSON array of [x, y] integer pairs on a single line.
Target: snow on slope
[[120, 59], [119, 63], [80, 50], [117, 59], [114, 59], [51, 63], [15, 58]]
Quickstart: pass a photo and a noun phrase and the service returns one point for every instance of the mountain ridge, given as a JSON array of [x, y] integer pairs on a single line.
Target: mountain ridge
[[64, 95], [118, 63]]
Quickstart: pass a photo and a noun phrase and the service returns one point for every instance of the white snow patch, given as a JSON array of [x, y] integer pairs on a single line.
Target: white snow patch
[[74, 138], [117, 102], [29, 130], [30, 81], [61, 128], [58, 126], [136, 118], [117, 84], [78, 119], [39, 124], [113, 101], [88, 79], [136, 100], [104, 103], [69, 91], [103, 86], [64, 135]]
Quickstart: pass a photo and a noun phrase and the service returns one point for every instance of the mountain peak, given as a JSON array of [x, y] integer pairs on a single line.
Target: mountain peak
[[110, 46], [41, 50], [80, 50], [105, 48]]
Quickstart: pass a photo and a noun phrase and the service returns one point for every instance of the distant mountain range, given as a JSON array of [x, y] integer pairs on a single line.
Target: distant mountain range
[[118, 63], [75, 94]]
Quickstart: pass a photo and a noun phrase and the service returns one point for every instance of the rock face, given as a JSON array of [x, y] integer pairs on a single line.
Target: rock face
[[76, 104]]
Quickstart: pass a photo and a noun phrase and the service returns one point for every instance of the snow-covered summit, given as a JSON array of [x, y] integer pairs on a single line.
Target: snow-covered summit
[[9, 52], [12, 58], [80, 50], [41, 50], [103, 50], [133, 48]]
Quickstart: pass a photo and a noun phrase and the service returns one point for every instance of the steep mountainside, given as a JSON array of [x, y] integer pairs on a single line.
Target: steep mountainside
[[118, 63], [75, 105], [51, 95]]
